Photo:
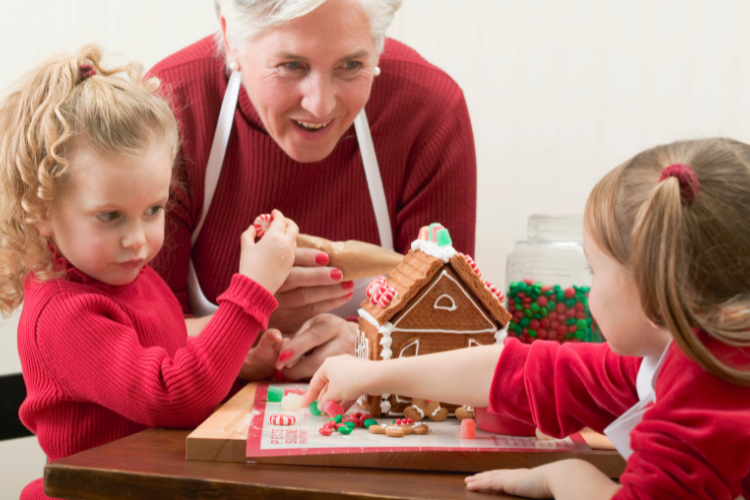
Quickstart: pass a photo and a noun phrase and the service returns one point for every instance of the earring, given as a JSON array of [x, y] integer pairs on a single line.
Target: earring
[[234, 66], [376, 71]]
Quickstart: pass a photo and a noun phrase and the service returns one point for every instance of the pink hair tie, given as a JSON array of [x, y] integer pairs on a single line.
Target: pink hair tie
[[689, 184], [85, 71]]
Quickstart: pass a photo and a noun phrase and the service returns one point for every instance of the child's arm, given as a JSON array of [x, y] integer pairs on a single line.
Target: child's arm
[[463, 376], [567, 479]]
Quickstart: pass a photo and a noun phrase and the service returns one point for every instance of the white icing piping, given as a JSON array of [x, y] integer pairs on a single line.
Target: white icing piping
[[362, 346], [368, 317], [385, 404], [400, 400], [416, 351], [501, 334], [474, 342], [421, 413], [385, 330], [386, 341], [443, 274], [436, 410], [451, 307], [444, 253]]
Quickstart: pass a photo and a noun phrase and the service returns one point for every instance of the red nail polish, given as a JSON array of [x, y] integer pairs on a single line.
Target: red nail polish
[[347, 285], [321, 259], [349, 295], [286, 356], [336, 275], [279, 376]]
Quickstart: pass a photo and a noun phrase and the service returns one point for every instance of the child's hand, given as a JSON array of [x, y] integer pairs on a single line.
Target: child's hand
[[269, 261], [341, 379], [261, 360], [520, 482]]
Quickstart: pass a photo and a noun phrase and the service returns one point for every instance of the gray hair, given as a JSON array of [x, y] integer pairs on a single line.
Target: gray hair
[[246, 18]]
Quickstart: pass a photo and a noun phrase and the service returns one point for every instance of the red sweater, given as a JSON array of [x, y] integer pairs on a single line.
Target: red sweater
[[423, 140], [693, 443], [102, 362]]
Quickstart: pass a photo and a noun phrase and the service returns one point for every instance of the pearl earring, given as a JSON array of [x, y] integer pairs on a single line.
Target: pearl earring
[[234, 66], [376, 71]]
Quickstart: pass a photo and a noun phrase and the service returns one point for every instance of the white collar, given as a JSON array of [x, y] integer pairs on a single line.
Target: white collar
[[645, 383]]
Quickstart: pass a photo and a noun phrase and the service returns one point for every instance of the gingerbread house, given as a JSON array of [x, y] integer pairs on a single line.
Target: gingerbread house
[[434, 301]]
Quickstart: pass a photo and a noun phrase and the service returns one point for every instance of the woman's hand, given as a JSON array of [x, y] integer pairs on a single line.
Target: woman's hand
[[260, 362], [567, 479], [319, 338], [312, 288]]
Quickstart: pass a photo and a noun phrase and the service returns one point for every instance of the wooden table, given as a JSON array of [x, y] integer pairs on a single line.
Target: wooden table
[[151, 465]]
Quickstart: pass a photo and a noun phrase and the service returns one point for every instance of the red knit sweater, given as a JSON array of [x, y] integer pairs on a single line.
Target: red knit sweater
[[423, 140], [693, 442], [102, 362]]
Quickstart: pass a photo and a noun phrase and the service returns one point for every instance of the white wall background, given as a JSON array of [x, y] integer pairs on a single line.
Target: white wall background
[[559, 92]]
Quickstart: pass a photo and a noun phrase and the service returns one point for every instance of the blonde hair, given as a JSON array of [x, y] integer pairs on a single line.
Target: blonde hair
[[247, 18], [115, 111], [690, 262]]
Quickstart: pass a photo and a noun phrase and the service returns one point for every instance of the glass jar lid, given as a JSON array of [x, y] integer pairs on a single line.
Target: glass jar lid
[[556, 228]]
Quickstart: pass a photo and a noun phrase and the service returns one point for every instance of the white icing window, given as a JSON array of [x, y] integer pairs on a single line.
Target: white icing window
[[473, 342], [445, 302], [362, 346], [411, 349]]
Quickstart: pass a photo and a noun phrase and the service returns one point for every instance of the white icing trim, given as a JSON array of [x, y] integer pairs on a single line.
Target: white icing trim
[[418, 424], [395, 414], [399, 400], [468, 408], [421, 413], [444, 274], [501, 334], [386, 342], [385, 405], [450, 308], [474, 342], [436, 410], [362, 345], [385, 330], [368, 317], [416, 351], [443, 253]]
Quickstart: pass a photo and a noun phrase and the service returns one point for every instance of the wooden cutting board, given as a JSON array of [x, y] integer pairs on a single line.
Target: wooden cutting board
[[223, 438]]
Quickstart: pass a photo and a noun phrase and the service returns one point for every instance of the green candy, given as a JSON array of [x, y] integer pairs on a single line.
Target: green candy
[[537, 316], [275, 394], [528, 313], [535, 307], [313, 407], [543, 312], [570, 303], [532, 333], [585, 289], [579, 335], [525, 322], [338, 419], [350, 424], [581, 324], [570, 321], [369, 422], [551, 306], [345, 429], [443, 238]]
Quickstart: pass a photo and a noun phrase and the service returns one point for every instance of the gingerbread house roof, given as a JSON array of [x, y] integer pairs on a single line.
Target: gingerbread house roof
[[417, 270]]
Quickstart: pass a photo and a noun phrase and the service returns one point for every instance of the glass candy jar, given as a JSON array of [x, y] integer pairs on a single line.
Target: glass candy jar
[[549, 282]]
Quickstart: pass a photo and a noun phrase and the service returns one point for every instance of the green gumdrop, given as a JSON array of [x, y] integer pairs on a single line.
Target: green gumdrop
[[314, 409], [570, 303], [350, 424], [345, 429], [369, 422], [275, 394], [534, 307], [578, 334], [537, 316], [443, 238], [338, 419], [581, 324]]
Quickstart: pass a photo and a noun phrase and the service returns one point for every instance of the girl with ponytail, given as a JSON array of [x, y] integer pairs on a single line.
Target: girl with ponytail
[[667, 235], [86, 156]]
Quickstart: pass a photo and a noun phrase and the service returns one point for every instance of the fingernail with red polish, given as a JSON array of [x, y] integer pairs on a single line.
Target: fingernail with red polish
[[279, 376], [349, 295], [286, 355], [336, 275], [321, 259], [347, 285]]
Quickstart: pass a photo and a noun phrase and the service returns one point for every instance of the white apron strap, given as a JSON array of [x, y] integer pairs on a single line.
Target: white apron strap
[[199, 304]]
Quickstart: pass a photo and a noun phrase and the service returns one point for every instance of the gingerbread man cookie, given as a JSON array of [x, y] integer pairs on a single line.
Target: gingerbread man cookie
[[435, 412], [464, 412], [399, 429]]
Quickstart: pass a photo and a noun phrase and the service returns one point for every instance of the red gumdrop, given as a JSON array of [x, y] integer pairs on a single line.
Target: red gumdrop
[[554, 325], [542, 301], [534, 324], [570, 313], [560, 308], [572, 329], [468, 429], [326, 431], [581, 316], [517, 316], [561, 331], [570, 293], [545, 323], [333, 409], [541, 333], [579, 307], [552, 316]]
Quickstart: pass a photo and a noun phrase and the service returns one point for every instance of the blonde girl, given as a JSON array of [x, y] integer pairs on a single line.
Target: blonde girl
[[667, 235], [86, 162]]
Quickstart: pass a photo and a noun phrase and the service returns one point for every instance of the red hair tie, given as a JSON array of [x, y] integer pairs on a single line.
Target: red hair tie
[[689, 184], [85, 71]]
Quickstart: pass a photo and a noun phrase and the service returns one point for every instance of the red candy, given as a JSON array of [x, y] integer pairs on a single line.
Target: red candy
[[380, 293], [544, 323], [294, 390], [570, 293], [333, 410], [541, 333], [261, 224], [326, 431], [283, 419], [542, 301], [561, 331], [468, 429], [472, 264], [560, 308], [534, 324]]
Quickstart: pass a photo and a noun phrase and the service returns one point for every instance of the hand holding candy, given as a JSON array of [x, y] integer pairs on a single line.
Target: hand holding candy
[[269, 261], [340, 379]]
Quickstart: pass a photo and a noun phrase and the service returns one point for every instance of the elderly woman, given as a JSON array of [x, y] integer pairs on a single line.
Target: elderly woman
[[266, 110]]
